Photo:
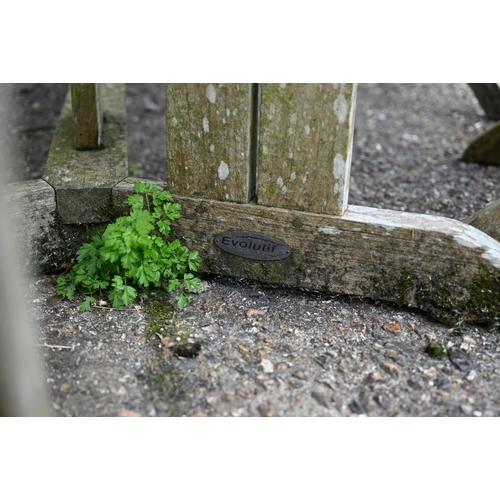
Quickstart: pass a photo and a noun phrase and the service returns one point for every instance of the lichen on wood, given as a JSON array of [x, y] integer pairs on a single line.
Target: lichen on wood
[[306, 133], [208, 140]]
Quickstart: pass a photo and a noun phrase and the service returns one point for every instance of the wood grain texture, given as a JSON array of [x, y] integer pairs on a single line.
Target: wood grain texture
[[428, 262], [42, 241], [87, 115], [342, 254], [32, 214], [208, 140], [306, 133]]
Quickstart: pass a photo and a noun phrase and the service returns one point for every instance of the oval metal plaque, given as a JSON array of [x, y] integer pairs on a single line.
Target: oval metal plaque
[[252, 245]]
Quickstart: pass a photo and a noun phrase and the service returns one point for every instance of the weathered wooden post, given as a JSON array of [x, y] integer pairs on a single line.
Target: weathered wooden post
[[306, 133], [486, 148], [210, 150], [87, 115], [487, 219]]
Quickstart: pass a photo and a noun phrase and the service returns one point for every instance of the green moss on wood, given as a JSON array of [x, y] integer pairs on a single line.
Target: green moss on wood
[[266, 271], [484, 301], [480, 303]]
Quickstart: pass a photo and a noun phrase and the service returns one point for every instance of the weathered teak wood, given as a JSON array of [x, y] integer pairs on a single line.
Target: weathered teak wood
[[376, 253], [487, 219], [488, 95], [486, 148], [209, 150], [382, 254], [83, 179], [32, 210], [39, 238], [87, 115], [306, 133]]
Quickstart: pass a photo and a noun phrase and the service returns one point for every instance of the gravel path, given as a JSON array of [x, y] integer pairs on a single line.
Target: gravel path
[[272, 351]]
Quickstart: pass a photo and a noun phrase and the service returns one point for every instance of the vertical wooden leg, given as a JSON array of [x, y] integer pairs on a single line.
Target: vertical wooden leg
[[209, 146], [306, 133], [87, 115]]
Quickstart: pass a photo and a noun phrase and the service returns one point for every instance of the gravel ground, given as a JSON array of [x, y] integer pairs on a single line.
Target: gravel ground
[[273, 351]]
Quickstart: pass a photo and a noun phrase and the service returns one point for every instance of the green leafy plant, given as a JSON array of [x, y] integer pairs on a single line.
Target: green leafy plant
[[133, 253]]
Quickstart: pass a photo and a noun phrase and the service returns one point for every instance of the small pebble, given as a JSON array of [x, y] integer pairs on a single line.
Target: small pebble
[[265, 410], [460, 361], [392, 327], [467, 409], [322, 398], [267, 366]]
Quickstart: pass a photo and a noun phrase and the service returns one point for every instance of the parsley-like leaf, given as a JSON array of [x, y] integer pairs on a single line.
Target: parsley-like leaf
[[132, 252]]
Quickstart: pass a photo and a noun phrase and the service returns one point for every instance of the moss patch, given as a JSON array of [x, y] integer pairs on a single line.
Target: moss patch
[[436, 350], [474, 300], [484, 301], [164, 320], [258, 270], [160, 313]]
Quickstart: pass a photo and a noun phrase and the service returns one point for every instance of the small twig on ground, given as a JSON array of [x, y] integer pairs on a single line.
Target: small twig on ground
[[55, 346]]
